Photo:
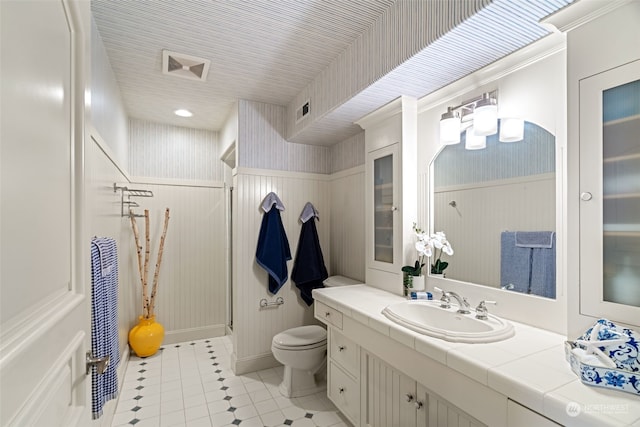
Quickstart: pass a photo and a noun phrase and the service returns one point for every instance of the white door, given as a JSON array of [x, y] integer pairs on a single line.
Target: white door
[[44, 311]]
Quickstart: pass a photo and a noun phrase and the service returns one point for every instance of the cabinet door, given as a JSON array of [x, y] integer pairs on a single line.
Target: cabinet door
[[384, 241], [389, 397], [440, 412], [610, 194]]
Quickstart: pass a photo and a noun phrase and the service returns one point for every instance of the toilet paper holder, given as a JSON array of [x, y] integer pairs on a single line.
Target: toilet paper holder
[[265, 303]]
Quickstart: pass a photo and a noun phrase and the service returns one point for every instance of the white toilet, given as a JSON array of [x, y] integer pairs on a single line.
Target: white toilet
[[303, 352]]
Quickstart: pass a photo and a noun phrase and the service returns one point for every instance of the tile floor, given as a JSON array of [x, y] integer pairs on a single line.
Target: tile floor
[[191, 384]]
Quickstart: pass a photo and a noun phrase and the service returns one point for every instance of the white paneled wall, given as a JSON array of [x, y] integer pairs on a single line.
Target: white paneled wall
[[347, 223], [483, 212], [104, 220], [108, 116], [191, 300], [254, 327]]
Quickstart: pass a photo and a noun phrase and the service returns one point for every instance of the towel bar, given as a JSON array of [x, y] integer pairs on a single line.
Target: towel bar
[[265, 303]]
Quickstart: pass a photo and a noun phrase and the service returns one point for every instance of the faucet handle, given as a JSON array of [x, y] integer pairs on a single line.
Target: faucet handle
[[482, 311], [445, 301]]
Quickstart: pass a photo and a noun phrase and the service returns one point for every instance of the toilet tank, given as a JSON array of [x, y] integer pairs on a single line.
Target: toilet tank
[[332, 281]]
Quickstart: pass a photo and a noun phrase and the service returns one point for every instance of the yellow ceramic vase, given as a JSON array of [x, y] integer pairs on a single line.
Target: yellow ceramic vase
[[146, 337]]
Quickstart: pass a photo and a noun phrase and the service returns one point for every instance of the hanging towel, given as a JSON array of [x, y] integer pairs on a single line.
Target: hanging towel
[[273, 250], [514, 263], [535, 239], [308, 212], [309, 270], [528, 262], [104, 320], [270, 200]]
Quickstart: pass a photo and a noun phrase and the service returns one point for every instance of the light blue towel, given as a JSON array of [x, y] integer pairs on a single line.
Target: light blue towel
[[104, 320], [535, 239], [530, 265]]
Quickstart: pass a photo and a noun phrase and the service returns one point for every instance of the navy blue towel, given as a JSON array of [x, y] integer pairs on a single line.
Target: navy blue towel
[[273, 250], [309, 270]]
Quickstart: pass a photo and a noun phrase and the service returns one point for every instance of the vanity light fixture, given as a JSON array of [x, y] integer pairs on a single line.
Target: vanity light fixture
[[183, 113], [511, 129], [474, 141], [482, 109], [485, 116], [450, 127]]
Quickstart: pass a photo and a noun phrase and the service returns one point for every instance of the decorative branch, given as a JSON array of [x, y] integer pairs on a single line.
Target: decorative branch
[[148, 301], [147, 253], [136, 234], [158, 262]]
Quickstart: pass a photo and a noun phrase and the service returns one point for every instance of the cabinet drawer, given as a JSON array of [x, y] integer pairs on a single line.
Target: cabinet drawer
[[344, 392], [328, 315], [344, 352]]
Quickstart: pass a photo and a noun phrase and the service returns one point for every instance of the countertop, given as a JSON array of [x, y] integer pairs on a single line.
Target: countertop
[[529, 367]]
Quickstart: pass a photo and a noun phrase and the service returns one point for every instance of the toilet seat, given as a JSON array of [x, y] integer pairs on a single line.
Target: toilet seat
[[301, 338]]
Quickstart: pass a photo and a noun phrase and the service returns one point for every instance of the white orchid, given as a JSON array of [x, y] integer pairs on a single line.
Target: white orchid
[[426, 246]]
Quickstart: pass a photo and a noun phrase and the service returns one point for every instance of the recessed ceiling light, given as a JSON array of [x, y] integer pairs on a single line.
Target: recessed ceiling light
[[183, 113]]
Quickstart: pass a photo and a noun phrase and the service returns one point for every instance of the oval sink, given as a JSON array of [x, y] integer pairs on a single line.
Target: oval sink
[[428, 318]]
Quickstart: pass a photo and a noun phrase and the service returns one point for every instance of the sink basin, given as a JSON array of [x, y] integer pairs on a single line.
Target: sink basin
[[428, 318]]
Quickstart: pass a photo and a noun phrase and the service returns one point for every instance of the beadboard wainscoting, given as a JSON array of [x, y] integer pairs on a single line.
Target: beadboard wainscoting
[[348, 225], [253, 326], [191, 301], [486, 209]]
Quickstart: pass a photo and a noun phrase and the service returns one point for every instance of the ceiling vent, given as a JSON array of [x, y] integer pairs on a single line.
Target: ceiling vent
[[303, 111], [185, 66]]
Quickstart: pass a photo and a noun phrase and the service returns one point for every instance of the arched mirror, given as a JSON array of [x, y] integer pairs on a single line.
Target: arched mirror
[[497, 208]]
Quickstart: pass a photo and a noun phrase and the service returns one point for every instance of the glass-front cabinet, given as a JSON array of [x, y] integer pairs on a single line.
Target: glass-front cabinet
[[610, 194], [383, 163]]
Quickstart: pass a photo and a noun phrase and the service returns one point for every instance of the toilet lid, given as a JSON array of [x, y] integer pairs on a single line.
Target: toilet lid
[[301, 336]]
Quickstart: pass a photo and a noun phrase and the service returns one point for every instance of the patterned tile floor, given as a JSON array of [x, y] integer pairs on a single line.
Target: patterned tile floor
[[191, 384]]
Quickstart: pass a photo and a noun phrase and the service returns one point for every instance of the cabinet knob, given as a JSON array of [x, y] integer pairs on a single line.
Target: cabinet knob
[[394, 208], [586, 196], [341, 348], [327, 314], [418, 405], [409, 397], [341, 390]]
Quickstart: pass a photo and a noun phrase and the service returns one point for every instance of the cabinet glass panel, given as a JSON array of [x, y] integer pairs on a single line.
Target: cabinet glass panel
[[383, 208], [621, 193]]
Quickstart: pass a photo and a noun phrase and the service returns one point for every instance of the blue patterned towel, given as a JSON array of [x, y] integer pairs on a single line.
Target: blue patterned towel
[[104, 320]]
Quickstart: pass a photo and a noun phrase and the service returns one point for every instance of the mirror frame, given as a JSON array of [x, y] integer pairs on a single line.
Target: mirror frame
[[516, 306]]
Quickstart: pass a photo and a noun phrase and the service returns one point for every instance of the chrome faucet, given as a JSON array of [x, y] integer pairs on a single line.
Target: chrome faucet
[[445, 301], [481, 310]]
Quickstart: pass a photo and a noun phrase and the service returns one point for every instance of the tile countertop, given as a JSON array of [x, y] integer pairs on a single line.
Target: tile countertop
[[529, 367]]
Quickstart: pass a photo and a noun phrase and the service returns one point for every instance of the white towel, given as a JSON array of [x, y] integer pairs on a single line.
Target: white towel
[[271, 199], [104, 320], [308, 212]]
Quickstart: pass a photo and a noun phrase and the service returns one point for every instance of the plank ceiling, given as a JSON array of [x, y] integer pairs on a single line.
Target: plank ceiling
[[275, 51]]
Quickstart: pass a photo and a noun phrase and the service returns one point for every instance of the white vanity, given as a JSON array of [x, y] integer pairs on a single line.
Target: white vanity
[[382, 374]]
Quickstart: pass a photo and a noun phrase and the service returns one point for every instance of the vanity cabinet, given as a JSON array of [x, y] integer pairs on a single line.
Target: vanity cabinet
[[343, 364], [390, 190], [391, 398], [610, 194]]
